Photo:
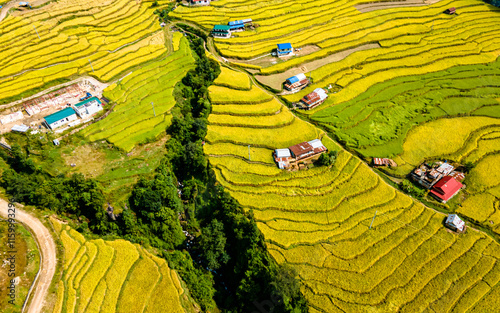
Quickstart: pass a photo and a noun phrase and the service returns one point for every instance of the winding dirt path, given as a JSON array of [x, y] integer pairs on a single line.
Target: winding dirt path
[[48, 261]]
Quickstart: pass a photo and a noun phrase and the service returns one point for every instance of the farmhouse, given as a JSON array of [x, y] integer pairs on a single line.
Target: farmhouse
[[283, 158], [384, 162], [60, 118], [284, 49], [427, 175], [238, 26], [199, 2], [455, 223], [296, 83], [88, 107], [313, 99], [451, 11], [307, 150], [221, 31], [446, 188]]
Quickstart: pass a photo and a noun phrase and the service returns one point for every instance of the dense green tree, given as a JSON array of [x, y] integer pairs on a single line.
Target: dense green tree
[[213, 244]]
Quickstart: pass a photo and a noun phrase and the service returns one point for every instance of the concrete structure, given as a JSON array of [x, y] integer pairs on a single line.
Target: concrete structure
[[446, 189], [455, 223], [284, 50], [427, 175], [296, 83], [60, 118], [283, 158], [312, 100], [88, 107], [221, 31]]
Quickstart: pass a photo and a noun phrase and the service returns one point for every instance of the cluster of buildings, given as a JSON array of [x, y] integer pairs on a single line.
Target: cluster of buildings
[[288, 158], [441, 178], [225, 31], [69, 116]]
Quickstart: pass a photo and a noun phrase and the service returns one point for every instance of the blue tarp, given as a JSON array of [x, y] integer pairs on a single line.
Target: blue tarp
[[236, 26], [24, 3], [235, 23], [292, 80], [284, 46]]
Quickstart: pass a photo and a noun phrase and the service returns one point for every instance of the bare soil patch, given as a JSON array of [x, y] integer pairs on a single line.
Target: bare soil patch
[[275, 81], [268, 60]]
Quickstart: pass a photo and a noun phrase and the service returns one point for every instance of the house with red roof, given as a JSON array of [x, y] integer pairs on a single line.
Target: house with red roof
[[446, 188]]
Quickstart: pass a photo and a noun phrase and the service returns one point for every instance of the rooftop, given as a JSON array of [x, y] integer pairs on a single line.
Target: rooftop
[[87, 101], [284, 46], [59, 115], [221, 28]]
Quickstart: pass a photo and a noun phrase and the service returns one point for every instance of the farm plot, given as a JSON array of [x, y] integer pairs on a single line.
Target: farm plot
[[376, 122], [144, 100], [474, 139], [413, 40], [318, 221], [115, 276], [68, 38]]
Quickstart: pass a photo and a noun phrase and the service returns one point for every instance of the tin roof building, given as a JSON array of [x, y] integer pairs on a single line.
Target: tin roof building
[[446, 188], [454, 222], [88, 107], [284, 49], [296, 83], [315, 98], [60, 118], [221, 31]]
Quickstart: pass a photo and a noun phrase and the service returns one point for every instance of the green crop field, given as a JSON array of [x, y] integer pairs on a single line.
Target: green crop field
[[133, 120], [115, 276], [318, 221]]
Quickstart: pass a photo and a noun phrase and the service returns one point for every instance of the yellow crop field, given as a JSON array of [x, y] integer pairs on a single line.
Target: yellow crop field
[[224, 95], [113, 276], [318, 220], [115, 35], [232, 79]]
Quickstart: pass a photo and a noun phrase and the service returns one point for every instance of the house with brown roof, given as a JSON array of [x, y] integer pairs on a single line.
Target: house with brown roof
[[313, 99], [288, 158]]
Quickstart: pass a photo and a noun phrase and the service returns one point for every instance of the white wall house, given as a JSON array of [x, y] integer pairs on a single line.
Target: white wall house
[[88, 107], [60, 118]]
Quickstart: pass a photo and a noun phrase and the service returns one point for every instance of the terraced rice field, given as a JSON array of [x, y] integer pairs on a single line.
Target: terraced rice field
[[115, 276], [414, 40], [318, 221], [115, 35], [474, 139], [133, 119]]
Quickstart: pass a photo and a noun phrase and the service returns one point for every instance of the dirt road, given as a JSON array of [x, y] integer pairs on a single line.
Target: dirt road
[[48, 260]]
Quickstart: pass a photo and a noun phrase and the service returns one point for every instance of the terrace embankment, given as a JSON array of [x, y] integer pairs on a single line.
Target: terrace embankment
[[381, 5]]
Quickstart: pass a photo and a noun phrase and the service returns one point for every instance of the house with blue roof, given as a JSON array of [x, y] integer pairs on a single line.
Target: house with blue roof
[[284, 49], [238, 26], [88, 107], [60, 118]]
